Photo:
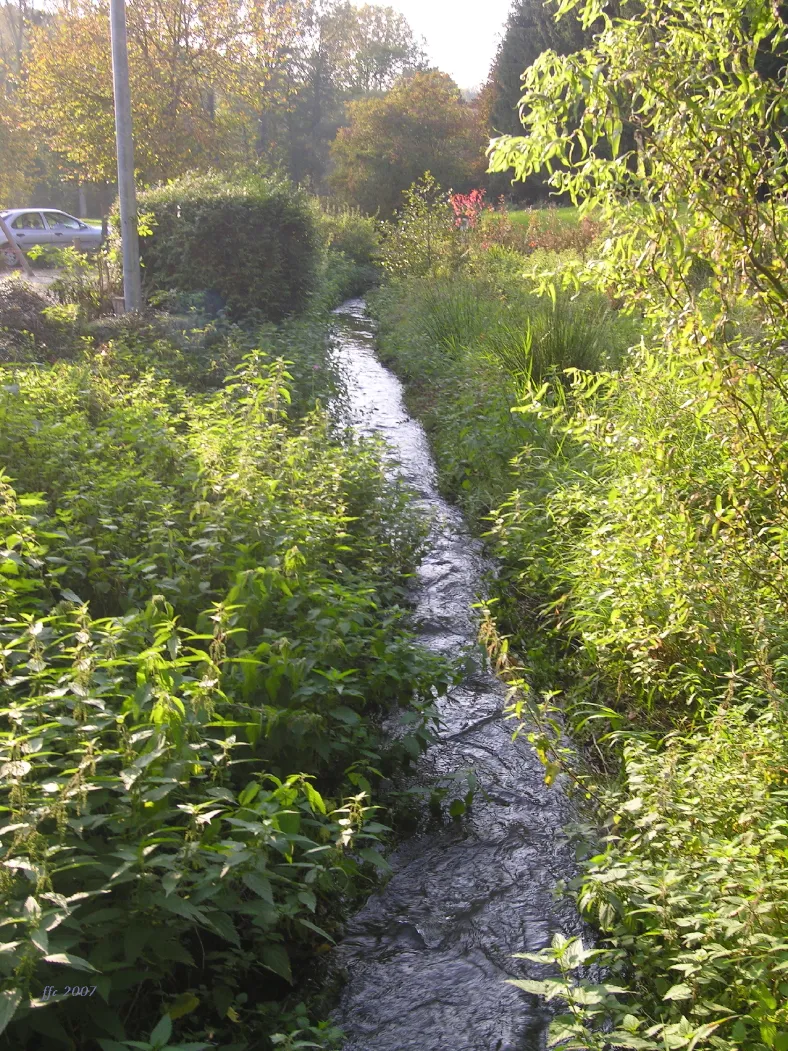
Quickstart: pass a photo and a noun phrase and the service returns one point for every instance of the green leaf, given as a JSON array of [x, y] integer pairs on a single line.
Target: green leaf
[[248, 794], [9, 1001], [223, 996], [678, 992], [163, 1031], [768, 1033], [315, 799], [260, 885], [275, 958], [623, 1038], [67, 959], [314, 927], [375, 858], [306, 897], [185, 1004], [224, 926]]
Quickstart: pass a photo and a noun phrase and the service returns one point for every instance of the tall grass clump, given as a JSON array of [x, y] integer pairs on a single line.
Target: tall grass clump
[[466, 347], [553, 336]]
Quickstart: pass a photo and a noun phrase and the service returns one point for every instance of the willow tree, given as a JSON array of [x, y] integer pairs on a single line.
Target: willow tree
[[702, 84]]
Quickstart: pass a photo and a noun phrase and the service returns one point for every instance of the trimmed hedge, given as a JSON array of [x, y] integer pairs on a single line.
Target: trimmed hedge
[[251, 243]]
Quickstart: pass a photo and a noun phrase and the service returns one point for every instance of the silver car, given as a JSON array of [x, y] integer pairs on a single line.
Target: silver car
[[45, 226]]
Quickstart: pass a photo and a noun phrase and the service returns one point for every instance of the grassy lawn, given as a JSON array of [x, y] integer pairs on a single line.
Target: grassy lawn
[[563, 214]]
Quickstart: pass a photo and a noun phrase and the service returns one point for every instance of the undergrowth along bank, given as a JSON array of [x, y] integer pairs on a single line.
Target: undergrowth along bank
[[202, 626], [630, 487]]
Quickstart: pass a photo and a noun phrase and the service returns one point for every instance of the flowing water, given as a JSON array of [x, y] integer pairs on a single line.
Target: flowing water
[[428, 956]]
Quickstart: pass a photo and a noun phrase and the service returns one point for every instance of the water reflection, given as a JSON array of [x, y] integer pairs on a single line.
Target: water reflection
[[427, 956]]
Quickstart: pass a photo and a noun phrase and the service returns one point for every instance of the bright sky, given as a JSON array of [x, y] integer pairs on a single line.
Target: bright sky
[[462, 37]]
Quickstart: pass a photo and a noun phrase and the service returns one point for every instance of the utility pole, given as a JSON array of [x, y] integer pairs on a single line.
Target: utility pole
[[132, 286]]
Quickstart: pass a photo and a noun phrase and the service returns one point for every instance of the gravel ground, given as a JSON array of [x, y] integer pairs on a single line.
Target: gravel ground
[[40, 278]]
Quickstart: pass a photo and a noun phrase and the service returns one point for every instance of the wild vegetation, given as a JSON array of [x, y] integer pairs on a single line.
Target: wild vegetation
[[202, 616], [201, 629], [613, 415]]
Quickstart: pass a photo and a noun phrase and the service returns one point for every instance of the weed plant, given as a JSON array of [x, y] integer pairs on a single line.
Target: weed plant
[[467, 346], [201, 630], [635, 501], [34, 326]]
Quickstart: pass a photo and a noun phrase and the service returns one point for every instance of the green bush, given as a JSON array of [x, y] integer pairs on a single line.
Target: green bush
[[349, 231], [201, 628], [250, 241], [424, 240], [350, 258], [82, 280]]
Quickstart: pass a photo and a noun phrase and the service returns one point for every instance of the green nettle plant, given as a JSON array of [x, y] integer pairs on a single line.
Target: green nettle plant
[[201, 628], [650, 518]]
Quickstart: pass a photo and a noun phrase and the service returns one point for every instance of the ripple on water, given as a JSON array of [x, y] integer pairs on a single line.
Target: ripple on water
[[427, 957]]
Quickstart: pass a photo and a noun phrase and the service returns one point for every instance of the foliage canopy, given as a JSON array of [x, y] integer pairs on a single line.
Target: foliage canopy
[[422, 123]]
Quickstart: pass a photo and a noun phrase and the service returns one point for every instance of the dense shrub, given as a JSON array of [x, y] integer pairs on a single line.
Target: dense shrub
[[200, 632], [651, 520], [82, 281], [425, 240], [350, 257], [349, 231], [688, 891], [251, 241]]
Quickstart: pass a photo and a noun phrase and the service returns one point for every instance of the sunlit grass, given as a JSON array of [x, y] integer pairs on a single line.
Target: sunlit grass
[[565, 214]]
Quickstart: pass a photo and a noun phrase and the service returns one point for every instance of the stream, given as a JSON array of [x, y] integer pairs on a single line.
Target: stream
[[428, 955]]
